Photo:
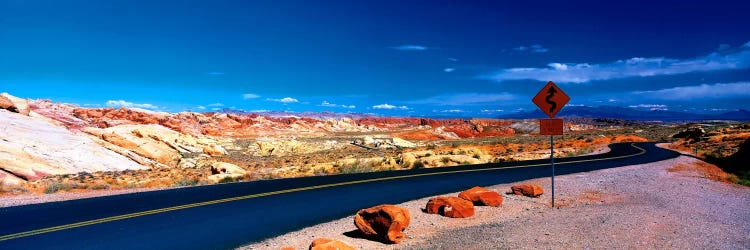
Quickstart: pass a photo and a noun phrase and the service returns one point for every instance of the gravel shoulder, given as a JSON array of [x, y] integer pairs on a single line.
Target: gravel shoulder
[[28, 199], [652, 206]]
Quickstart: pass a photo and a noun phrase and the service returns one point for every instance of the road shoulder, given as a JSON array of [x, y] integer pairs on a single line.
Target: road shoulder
[[652, 205]]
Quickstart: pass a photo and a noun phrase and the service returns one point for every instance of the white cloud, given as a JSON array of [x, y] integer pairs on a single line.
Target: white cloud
[[492, 110], [327, 104], [536, 48], [651, 107], [218, 104], [283, 100], [331, 105], [411, 47], [466, 98], [288, 100], [126, 104], [249, 96], [452, 59], [449, 70], [703, 91], [648, 106], [633, 67], [388, 106], [450, 111], [201, 107]]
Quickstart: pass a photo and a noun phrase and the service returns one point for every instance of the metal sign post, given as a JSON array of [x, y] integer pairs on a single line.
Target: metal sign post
[[552, 161], [550, 100]]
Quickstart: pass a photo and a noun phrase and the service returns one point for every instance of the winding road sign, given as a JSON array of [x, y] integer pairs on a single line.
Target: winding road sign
[[550, 99]]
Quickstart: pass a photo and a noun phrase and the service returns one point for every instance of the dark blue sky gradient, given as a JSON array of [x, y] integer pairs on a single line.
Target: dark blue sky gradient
[[186, 55]]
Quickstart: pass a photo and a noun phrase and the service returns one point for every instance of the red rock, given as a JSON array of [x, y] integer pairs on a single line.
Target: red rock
[[530, 190], [329, 244], [482, 196], [430, 122], [464, 130], [14, 104], [496, 131], [386, 122], [453, 207], [491, 122], [288, 248], [417, 135], [384, 222], [5, 103]]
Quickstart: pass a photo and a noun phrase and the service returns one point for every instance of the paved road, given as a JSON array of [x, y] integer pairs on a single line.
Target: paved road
[[230, 215]]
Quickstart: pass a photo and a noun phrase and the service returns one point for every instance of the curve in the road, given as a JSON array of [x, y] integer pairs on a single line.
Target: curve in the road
[[146, 217]]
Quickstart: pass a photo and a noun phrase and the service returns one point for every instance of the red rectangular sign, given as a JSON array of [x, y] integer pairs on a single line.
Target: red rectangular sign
[[550, 126]]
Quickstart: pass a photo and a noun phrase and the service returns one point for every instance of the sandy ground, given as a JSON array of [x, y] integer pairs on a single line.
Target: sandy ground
[[26, 199], [640, 206]]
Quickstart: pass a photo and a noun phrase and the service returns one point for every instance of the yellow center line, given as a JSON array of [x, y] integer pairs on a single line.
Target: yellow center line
[[205, 203]]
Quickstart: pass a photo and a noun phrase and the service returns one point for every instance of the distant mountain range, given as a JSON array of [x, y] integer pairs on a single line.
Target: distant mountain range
[[612, 112], [633, 114]]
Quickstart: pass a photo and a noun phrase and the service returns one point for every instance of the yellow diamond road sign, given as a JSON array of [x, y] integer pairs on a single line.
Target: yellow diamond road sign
[[551, 99]]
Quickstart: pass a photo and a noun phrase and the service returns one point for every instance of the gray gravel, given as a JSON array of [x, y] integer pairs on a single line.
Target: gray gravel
[[640, 206]]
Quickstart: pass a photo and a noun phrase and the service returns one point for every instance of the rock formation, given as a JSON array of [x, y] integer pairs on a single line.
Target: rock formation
[[452, 207], [14, 104], [529, 190], [329, 244], [482, 196], [31, 148], [383, 223]]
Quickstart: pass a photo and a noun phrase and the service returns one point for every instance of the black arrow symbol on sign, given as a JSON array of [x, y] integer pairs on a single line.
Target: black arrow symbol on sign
[[550, 93]]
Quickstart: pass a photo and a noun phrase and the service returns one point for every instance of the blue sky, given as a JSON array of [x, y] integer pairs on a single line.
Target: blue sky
[[406, 58]]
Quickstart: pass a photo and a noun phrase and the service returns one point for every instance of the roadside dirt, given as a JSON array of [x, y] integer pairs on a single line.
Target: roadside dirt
[[668, 204]]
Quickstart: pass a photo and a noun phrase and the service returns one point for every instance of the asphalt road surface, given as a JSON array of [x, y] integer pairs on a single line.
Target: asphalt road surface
[[230, 215]]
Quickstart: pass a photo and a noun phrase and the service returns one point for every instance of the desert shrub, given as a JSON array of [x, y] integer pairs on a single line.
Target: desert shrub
[[227, 179], [431, 146], [99, 186], [744, 181], [186, 183], [476, 156], [427, 155], [357, 167], [465, 163], [374, 164], [13, 189], [55, 187], [405, 164], [586, 150], [319, 171], [418, 165], [445, 160]]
